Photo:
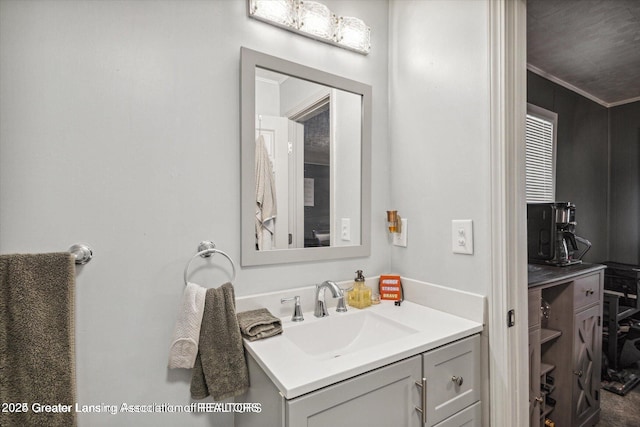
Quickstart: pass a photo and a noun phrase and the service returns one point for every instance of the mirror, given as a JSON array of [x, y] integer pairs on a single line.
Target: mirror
[[306, 163]]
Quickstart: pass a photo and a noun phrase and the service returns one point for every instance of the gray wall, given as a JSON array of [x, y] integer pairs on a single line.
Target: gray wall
[[625, 183], [598, 168], [582, 158], [119, 126], [440, 151]]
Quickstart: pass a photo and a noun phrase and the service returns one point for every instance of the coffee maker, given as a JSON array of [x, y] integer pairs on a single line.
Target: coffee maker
[[551, 237]]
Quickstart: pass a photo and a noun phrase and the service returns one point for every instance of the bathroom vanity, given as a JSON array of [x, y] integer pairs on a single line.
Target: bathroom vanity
[[565, 344], [384, 365]]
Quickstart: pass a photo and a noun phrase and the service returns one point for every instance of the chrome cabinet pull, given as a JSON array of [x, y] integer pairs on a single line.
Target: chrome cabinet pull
[[578, 373], [539, 399], [423, 385], [457, 380]]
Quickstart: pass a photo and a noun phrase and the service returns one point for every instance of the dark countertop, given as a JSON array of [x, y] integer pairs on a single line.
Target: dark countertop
[[540, 274]]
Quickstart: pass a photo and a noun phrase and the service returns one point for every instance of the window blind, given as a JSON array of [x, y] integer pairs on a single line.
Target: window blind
[[540, 152]]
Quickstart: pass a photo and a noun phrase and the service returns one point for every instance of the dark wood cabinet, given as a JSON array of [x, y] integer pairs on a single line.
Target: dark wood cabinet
[[565, 345]]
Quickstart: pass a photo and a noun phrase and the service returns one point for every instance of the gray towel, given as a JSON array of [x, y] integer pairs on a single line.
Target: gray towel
[[259, 324], [37, 345], [221, 368]]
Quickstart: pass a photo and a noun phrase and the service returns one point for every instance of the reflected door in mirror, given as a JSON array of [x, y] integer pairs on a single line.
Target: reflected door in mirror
[[282, 139], [318, 185]]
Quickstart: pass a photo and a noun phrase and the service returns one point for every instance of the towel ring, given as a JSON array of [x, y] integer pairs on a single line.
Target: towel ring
[[205, 250]]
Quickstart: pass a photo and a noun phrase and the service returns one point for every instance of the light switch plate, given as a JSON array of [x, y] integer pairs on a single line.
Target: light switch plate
[[400, 239], [462, 236], [345, 230]]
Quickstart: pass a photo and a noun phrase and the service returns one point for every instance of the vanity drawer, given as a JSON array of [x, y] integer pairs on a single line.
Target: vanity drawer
[[587, 290], [453, 378], [470, 417]]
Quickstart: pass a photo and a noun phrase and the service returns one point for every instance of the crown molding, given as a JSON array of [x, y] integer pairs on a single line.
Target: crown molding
[[577, 90]]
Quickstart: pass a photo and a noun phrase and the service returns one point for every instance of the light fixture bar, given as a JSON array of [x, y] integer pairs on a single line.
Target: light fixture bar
[[313, 19]]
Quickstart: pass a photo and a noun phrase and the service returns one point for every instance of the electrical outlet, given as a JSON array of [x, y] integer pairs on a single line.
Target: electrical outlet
[[400, 239], [462, 236], [345, 229]]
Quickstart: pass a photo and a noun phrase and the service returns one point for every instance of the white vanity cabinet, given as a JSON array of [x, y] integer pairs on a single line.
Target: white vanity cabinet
[[445, 381]]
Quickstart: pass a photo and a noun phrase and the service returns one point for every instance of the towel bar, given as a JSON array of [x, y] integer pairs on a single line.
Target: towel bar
[[82, 252], [205, 250]]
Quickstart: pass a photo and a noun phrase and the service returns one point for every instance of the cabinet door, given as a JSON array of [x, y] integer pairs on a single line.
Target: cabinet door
[[453, 378], [587, 350], [534, 378], [385, 397]]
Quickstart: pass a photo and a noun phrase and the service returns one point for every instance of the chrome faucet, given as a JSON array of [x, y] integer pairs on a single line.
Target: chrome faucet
[[336, 292]]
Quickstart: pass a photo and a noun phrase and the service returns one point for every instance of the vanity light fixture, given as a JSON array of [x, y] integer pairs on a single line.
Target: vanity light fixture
[[313, 19], [316, 19], [394, 221], [279, 12], [354, 33]]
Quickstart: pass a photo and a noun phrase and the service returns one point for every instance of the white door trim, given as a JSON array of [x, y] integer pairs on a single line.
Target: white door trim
[[508, 365]]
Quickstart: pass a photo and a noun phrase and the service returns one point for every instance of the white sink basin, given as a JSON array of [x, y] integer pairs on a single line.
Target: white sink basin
[[317, 352], [341, 334]]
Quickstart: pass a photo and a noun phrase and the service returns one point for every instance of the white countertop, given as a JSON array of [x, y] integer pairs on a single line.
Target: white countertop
[[295, 373]]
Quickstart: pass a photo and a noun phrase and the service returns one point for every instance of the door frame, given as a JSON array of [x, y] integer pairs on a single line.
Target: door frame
[[508, 345]]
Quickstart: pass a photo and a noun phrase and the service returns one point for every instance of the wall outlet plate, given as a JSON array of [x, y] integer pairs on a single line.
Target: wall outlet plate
[[400, 239], [462, 236]]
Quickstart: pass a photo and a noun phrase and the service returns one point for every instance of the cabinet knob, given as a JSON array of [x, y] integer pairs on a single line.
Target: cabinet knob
[[457, 380], [578, 373], [589, 292], [539, 399]]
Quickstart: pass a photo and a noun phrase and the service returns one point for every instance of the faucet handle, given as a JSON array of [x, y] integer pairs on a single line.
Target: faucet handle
[[341, 307], [297, 311]]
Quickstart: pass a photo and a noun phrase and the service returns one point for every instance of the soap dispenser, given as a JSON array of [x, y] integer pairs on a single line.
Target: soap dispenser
[[360, 295]]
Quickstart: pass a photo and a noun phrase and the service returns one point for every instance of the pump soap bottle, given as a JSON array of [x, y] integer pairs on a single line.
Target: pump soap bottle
[[360, 295]]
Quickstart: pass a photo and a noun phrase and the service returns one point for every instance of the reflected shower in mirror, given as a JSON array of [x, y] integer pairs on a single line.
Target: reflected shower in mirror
[[305, 163]]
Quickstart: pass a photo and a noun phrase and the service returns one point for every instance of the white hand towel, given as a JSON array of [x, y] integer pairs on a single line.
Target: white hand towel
[[186, 334]]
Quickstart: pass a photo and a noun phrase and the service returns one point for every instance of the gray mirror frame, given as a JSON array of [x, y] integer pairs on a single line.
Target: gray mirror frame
[[251, 59]]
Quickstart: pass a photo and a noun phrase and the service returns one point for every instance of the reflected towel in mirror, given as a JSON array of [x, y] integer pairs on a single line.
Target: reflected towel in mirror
[[266, 206]]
